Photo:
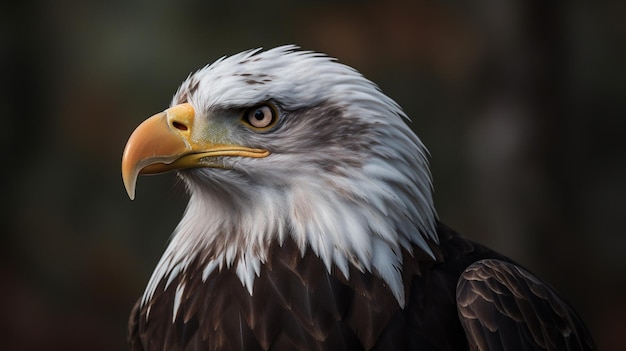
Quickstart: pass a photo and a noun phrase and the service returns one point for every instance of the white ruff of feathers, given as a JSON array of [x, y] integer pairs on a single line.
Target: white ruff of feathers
[[361, 214]]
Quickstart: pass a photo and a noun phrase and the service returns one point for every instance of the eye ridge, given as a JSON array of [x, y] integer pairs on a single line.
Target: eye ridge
[[261, 117]]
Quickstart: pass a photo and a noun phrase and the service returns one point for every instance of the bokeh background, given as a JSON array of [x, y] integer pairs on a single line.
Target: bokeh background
[[522, 104]]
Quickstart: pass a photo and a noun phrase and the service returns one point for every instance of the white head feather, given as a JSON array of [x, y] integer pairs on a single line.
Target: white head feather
[[346, 177]]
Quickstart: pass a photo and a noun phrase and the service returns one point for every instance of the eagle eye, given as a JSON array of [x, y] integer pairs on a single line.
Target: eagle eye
[[260, 117]]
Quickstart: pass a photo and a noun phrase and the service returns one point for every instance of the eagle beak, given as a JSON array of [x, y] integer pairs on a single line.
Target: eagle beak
[[164, 143]]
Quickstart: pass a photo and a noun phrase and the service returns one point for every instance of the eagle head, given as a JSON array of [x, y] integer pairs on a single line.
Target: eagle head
[[287, 144]]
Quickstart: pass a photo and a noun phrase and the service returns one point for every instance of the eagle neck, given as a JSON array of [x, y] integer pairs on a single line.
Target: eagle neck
[[227, 228]]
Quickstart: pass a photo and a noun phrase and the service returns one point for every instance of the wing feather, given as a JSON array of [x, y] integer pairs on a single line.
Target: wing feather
[[503, 307]]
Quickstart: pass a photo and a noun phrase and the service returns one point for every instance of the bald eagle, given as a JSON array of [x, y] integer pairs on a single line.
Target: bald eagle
[[311, 226]]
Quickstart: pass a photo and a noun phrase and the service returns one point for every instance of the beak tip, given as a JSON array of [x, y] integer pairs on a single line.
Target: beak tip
[[130, 186]]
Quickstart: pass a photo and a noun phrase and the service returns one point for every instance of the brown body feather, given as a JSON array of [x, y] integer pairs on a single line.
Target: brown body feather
[[297, 305]]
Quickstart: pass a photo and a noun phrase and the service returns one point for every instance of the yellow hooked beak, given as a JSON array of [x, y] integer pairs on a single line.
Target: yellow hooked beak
[[164, 143]]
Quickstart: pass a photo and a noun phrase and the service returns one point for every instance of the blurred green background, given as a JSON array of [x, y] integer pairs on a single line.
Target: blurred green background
[[522, 104]]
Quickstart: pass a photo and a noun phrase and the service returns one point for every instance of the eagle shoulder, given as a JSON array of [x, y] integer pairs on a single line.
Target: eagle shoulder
[[504, 307]]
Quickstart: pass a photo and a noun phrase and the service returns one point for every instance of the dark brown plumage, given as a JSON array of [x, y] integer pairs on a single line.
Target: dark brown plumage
[[297, 305]]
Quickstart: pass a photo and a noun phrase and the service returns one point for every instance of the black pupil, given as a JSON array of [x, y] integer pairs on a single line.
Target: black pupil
[[259, 115]]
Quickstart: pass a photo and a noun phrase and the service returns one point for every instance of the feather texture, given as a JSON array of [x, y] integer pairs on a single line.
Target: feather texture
[[504, 307], [297, 305]]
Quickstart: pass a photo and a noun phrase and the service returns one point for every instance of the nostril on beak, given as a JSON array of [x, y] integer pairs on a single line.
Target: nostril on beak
[[180, 118], [179, 126]]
